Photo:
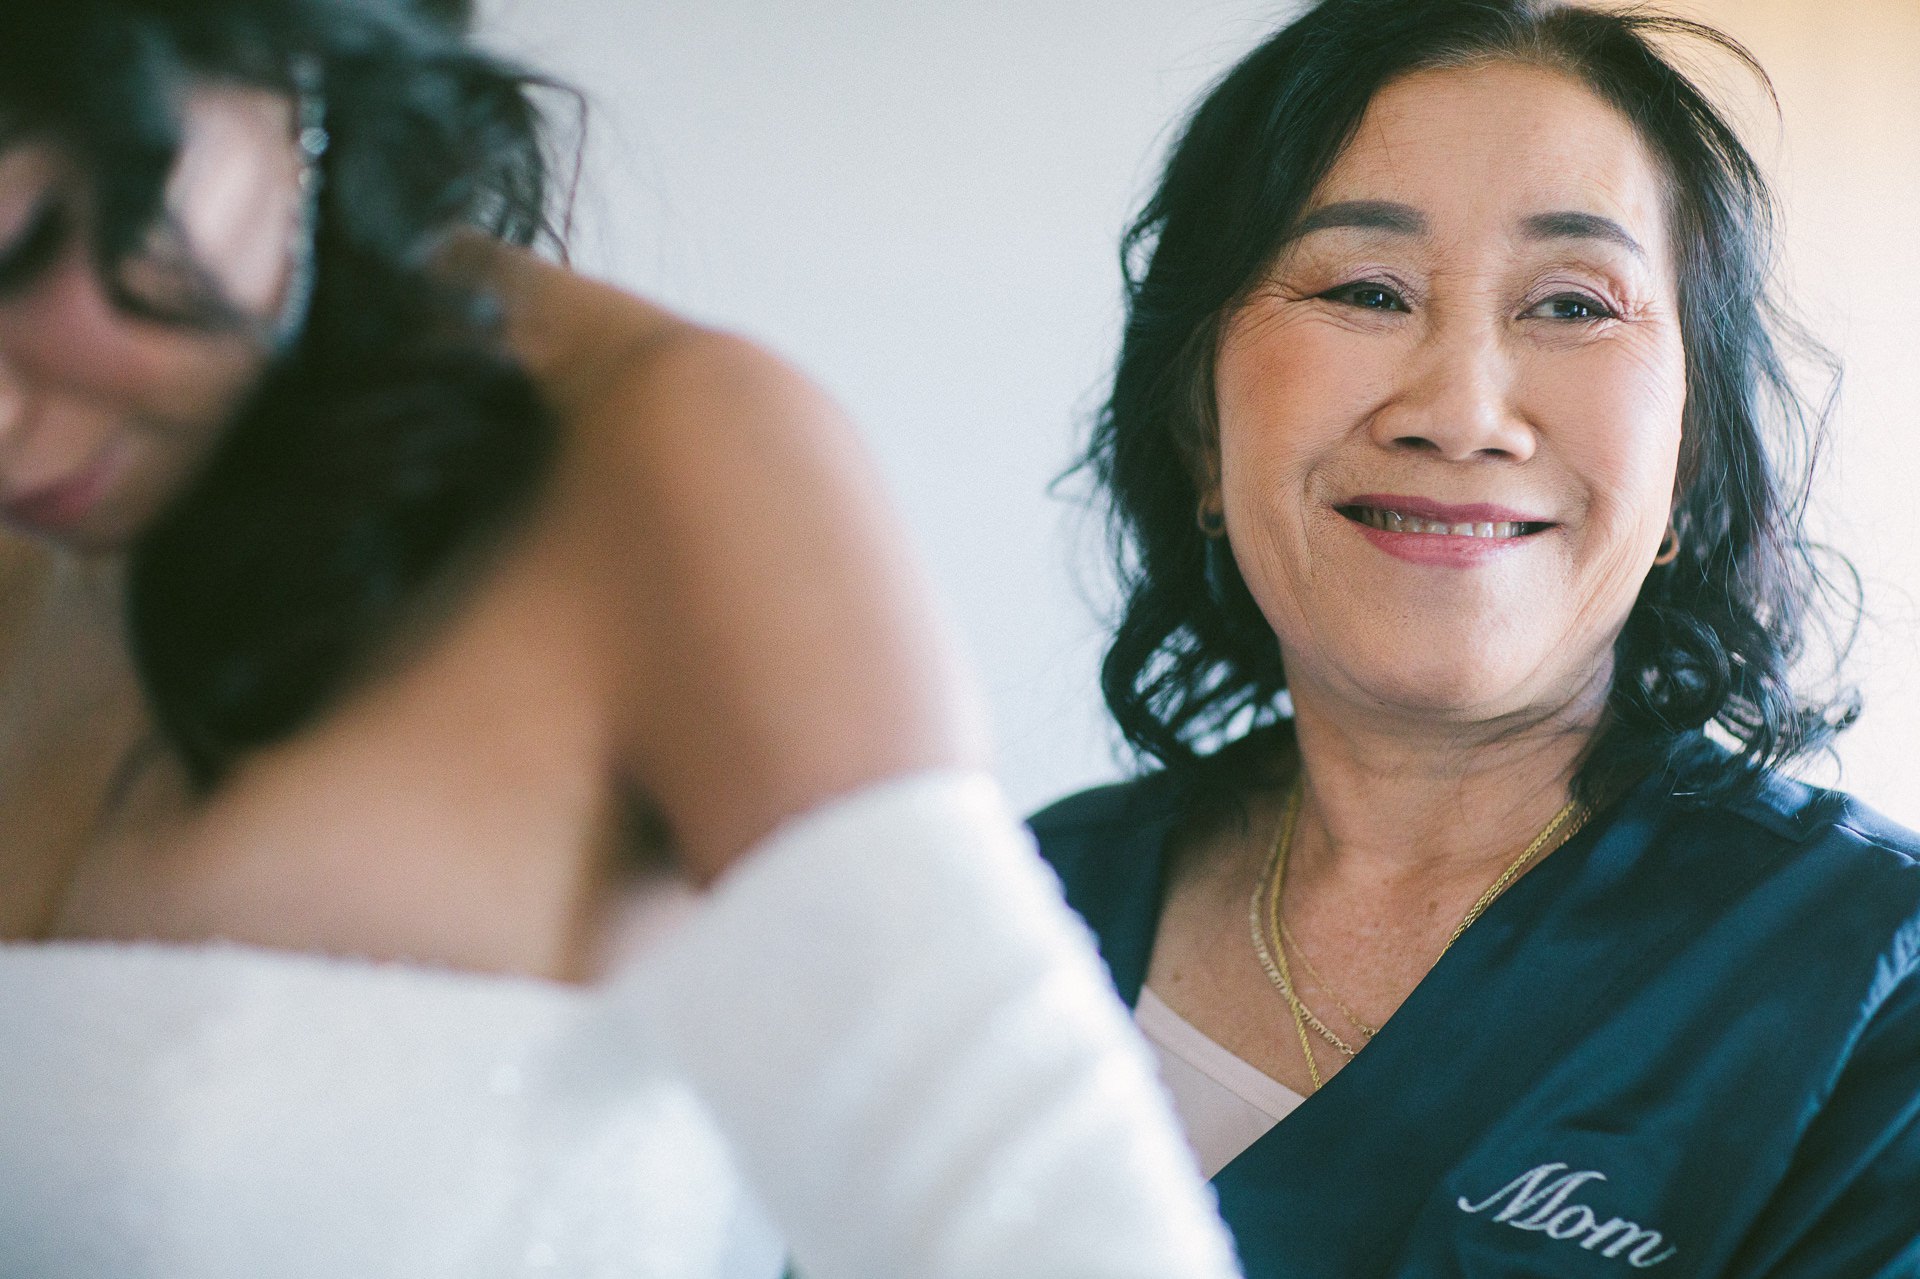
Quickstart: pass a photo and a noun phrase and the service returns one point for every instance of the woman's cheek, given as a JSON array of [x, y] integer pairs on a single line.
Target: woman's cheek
[[1614, 411], [1291, 381], [72, 337], [79, 344], [1618, 438]]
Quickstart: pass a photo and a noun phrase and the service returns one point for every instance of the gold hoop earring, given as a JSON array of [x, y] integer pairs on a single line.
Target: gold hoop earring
[[1669, 548], [1213, 523]]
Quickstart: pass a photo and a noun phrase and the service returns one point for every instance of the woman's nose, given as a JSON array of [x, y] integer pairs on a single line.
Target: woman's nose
[[1457, 401]]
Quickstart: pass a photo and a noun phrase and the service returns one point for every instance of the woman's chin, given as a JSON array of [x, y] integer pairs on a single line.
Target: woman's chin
[[105, 532], [99, 511], [1452, 689]]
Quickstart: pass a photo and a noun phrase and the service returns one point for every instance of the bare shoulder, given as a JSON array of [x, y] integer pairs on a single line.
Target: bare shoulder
[[623, 373], [667, 424], [769, 639], [699, 415]]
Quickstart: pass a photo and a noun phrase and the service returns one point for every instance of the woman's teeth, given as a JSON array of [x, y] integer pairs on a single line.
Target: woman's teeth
[[1395, 522]]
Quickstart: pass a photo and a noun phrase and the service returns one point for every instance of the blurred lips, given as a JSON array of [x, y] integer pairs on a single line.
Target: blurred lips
[[56, 508], [1423, 531]]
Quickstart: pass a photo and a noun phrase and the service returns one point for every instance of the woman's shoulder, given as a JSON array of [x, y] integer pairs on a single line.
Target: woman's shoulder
[[660, 416], [1798, 860], [1843, 818], [1853, 854], [746, 595], [1848, 835], [1119, 830], [606, 358], [1099, 811]]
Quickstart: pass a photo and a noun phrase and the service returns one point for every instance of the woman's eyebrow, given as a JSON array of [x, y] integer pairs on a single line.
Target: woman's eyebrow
[[1580, 226], [1366, 215]]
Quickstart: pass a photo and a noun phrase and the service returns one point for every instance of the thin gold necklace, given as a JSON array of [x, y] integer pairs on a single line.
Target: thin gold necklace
[[1288, 940], [1277, 971], [1267, 926]]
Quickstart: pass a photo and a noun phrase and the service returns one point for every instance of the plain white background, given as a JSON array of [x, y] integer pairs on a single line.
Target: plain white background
[[918, 201]]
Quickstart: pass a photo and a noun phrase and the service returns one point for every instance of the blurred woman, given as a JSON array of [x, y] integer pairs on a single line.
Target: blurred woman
[[1457, 478], [405, 617]]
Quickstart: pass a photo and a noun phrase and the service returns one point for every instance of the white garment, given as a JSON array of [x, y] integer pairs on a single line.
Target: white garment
[[1225, 1103], [218, 1112], [885, 1010], [924, 1071]]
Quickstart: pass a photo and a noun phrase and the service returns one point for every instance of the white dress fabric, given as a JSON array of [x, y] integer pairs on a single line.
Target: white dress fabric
[[189, 1112], [883, 1023], [1224, 1102]]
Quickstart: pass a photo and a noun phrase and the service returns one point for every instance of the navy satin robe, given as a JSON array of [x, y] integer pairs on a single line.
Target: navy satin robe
[[1688, 1042]]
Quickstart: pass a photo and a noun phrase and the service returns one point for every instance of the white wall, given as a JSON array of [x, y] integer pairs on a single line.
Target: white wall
[[918, 201], [1847, 161]]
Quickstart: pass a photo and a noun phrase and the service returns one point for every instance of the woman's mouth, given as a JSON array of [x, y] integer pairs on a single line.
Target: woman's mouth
[[1388, 520], [1420, 531]]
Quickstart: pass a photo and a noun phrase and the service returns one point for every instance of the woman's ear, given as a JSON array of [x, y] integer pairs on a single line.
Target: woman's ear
[[1210, 512]]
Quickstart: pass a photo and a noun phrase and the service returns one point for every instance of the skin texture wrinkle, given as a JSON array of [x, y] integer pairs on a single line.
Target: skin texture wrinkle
[[1479, 308]]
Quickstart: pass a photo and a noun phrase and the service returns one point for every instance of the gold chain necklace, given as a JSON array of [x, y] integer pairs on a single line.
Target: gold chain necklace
[[1277, 972], [1287, 939], [1268, 927]]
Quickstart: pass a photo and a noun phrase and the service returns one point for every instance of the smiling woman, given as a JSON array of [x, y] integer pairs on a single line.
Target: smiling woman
[[1491, 346], [1452, 406]]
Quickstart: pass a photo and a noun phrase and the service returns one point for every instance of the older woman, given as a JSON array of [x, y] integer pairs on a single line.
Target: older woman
[[406, 616], [1448, 451]]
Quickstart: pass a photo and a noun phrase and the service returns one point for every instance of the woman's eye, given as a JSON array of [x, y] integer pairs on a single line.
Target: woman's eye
[[1572, 306], [1368, 297]]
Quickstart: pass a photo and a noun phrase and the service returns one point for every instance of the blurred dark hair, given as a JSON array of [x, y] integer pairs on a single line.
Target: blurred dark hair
[[457, 14], [1714, 638], [396, 429]]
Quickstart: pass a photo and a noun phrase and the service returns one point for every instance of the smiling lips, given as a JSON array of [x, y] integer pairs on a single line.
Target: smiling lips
[[1395, 522], [1430, 532]]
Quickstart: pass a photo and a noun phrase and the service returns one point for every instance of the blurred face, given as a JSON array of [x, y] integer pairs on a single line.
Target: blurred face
[[1449, 417], [104, 415]]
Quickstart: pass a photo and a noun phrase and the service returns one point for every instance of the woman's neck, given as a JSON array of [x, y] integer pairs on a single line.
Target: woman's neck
[[70, 717], [1398, 800]]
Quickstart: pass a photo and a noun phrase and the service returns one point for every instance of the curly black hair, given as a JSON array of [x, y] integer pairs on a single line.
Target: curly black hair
[[1714, 639], [397, 429]]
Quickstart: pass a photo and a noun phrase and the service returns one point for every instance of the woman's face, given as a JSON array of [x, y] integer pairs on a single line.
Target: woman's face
[[104, 416], [1449, 416]]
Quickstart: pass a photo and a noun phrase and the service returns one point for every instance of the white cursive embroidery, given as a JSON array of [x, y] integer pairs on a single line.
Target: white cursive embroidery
[[1537, 1201]]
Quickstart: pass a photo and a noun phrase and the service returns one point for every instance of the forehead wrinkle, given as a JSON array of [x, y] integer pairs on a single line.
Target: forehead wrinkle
[[1443, 108]]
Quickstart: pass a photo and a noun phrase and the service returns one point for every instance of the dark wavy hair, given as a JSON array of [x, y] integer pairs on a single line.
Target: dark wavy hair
[[1714, 639], [396, 430]]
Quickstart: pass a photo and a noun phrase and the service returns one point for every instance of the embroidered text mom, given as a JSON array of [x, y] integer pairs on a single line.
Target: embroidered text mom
[[1537, 1201]]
